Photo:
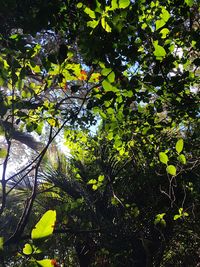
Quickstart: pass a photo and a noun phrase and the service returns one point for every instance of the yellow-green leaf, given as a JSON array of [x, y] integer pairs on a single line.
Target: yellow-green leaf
[[124, 3], [3, 152], [179, 146], [79, 5], [111, 77], [114, 5], [182, 159], [101, 178], [105, 25], [106, 71], [171, 169], [27, 249], [45, 226], [159, 24], [90, 13], [1, 243], [189, 2], [159, 51], [163, 157], [45, 263], [92, 23], [164, 33], [165, 15]]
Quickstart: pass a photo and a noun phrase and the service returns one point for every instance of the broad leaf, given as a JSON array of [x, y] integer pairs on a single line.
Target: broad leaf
[[46, 263], [105, 25], [171, 169], [181, 158], [179, 146], [165, 15], [163, 157], [111, 77], [3, 152], [1, 243], [160, 23], [45, 226], [189, 2], [159, 51], [106, 71], [90, 13], [106, 85], [27, 249], [92, 23], [124, 3], [164, 33]]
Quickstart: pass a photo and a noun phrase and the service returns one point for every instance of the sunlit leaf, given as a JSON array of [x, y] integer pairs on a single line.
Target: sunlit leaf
[[92, 23], [106, 85], [163, 157], [111, 77], [45, 263], [171, 169], [94, 187], [189, 2], [164, 32], [165, 15], [176, 217], [124, 3], [106, 71], [160, 23], [90, 13], [1, 243], [182, 159], [45, 226], [114, 5], [3, 152], [101, 178], [179, 146], [27, 249], [105, 25], [159, 51], [79, 5]]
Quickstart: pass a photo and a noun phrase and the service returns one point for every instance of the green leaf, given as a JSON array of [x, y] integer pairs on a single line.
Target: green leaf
[[27, 249], [176, 217], [159, 51], [106, 71], [165, 15], [45, 226], [79, 5], [181, 158], [90, 13], [92, 23], [124, 3], [106, 85], [163, 157], [1, 243], [101, 178], [189, 2], [164, 33], [92, 181], [94, 187], [160, 23], [111, 77], [179, 146], [171, 169], [46, 263], [114, 5], [105, 25], [3, 152]]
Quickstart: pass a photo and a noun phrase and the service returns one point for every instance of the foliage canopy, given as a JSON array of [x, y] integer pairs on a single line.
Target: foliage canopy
[[117, 84]]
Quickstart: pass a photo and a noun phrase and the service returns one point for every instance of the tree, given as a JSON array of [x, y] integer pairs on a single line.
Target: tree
[[131, 67]]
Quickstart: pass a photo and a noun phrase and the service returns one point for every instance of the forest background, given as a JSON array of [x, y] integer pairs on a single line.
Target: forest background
[[99, 122]]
